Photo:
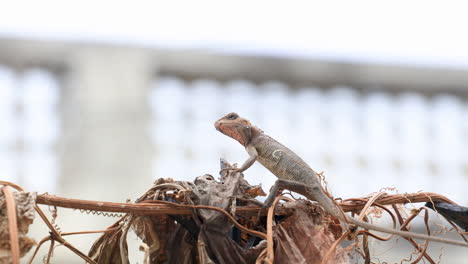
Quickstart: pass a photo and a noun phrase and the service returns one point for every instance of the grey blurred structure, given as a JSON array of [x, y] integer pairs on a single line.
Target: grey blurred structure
[[105, 149]]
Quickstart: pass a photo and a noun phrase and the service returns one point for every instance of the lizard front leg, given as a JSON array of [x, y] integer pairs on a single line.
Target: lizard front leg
[[253, 154]]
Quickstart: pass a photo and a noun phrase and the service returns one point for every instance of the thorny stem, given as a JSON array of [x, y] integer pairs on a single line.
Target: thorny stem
[[139, 208]]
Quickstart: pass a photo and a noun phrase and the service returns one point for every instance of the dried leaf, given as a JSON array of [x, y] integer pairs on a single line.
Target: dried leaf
[[306, 236], [106, 249]]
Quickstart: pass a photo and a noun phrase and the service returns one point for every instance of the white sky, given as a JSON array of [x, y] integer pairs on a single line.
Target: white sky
[[403, 32]]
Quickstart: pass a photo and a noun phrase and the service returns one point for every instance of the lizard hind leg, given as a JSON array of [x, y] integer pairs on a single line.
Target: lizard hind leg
[[274, 191], [294, 186], [313, 192]]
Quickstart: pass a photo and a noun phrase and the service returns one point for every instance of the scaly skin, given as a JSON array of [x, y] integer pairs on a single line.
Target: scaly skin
[[287, 165]]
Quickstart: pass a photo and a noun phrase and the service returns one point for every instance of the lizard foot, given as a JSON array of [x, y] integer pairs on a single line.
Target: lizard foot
[[269, 201], [234, 170]]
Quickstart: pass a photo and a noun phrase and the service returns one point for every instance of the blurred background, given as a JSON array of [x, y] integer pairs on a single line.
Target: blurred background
[[99, 99]]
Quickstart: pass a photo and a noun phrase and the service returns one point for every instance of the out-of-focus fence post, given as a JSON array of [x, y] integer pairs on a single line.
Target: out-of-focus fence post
[[105, 124]]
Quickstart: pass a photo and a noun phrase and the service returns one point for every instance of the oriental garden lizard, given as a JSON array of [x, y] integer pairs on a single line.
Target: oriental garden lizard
[[293, 173]]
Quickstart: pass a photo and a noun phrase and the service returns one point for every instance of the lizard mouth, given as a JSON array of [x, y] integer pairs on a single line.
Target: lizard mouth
[[216, 125]]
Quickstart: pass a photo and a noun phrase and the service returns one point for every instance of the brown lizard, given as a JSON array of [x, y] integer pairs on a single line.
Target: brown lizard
[[293, 173]]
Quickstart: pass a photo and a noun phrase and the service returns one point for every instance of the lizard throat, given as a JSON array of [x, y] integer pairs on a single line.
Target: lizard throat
[[233, 133]]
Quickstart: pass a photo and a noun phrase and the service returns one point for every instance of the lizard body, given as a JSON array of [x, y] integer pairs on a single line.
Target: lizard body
[[287, 165], [291, 169]]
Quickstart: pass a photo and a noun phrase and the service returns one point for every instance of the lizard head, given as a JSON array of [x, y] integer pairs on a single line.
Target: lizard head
[[236, 127]]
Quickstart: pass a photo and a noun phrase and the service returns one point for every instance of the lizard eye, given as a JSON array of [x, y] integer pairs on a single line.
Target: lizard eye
[[232, 117]]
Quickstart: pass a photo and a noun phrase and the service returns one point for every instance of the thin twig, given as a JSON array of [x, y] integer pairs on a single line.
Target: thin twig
[[369, 204], [47, 238], [56, 236], [374, 235], [461, 233], [348, 205], [123, 240], [333, 246], [270, 255], [12, 224], [51, 250], [410, 240], [14, 185], [365, 247], [426, 220]]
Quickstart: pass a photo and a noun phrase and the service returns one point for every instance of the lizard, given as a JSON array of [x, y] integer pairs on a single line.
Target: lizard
[[294, 173]]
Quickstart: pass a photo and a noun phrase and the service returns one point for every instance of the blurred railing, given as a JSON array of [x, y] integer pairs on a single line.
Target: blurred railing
[[363, 141], [366, 126], [29, 128]]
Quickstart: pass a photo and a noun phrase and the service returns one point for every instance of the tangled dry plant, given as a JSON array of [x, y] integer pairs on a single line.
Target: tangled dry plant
[[209, 221]]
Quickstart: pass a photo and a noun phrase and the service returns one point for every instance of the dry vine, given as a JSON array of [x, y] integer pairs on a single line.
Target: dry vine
[[186, 203]]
